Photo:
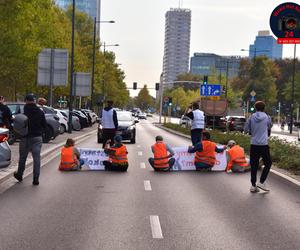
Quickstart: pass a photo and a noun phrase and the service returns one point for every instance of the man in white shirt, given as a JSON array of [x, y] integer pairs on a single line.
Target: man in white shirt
[[109, 122]]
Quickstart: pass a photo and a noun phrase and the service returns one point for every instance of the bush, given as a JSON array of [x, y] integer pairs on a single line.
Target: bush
[[285, 155]]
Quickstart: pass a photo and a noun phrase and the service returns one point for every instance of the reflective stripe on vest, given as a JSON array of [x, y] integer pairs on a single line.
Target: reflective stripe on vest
[[120, 155], [107, 120], [198, 120], [160, 151], [68, 158], [237, 157], [208, 154]]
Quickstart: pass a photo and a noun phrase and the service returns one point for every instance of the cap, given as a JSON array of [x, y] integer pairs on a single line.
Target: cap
[[231, 143], [30, 97], [159, 138], [118, 138]]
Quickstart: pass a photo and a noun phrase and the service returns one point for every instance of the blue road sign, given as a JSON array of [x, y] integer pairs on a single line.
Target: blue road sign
[[252, 99], [210, 90]]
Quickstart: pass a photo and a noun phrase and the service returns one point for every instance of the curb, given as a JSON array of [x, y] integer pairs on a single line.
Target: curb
[[276, 172], [29, 164]]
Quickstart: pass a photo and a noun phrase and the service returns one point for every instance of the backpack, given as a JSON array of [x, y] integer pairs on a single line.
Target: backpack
[[21, 124]]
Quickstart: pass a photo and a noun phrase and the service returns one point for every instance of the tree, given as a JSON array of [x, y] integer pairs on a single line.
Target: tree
[[287, 92], [144, 100]]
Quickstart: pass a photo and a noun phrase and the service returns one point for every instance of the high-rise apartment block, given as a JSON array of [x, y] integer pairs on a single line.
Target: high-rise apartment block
[[265, 45], [177, 45]]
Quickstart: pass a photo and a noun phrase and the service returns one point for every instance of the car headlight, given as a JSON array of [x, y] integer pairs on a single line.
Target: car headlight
[[100, 126]]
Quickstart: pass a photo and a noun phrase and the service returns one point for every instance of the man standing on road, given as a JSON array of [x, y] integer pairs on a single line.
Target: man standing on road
[[32, 142], [197, 117], [109, 122], [259, 127], [5, 115]]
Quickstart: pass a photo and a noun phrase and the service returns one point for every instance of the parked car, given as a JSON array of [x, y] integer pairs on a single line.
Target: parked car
[[84, 123], [75, 120], [185, 121], [87, 115], [235, 123], [126, 127], [63, 121], [5, 152], [142, 116], [52, 129], [92, 114]]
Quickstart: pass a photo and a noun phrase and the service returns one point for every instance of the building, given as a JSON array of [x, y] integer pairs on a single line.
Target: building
[[91, 7], [206, 63], [177, 45], [265, 45]]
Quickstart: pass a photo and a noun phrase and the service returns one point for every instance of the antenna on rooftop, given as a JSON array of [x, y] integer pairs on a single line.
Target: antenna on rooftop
[[180, 3]]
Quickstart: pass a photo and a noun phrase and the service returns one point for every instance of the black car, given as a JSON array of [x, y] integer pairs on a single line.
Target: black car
[[84, 123], [126, 127], [236, 123]]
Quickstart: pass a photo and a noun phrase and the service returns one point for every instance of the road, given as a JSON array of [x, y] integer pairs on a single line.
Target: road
[[142, 209]]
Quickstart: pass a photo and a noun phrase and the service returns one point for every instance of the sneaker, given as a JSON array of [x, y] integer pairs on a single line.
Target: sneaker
[[254, 189], [18, 177], [263, 186], [35, 182]]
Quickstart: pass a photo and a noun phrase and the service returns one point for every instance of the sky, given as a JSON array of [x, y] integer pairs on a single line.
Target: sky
[[218, 26]]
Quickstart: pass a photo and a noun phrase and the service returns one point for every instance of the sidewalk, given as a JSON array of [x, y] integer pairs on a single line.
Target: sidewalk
[[277, 129], [47, 149]]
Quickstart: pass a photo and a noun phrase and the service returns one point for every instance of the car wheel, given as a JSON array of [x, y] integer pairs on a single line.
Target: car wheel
[[11, 138], [47, 134], [62, 129], [132, 141], [99, 139]]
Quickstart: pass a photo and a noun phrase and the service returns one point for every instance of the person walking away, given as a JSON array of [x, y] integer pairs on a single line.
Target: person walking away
[[117, 153], [198, 122], [32, 142], [205, 152], [162, 161], [109, 122], [5, 115], [236, 159], [70, 157], [259, 127]]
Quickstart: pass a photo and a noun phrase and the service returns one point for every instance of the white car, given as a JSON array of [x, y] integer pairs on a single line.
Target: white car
[[185, 121], [63, 121]]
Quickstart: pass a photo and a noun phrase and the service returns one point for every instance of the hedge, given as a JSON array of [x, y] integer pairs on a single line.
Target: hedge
[[284, 155]]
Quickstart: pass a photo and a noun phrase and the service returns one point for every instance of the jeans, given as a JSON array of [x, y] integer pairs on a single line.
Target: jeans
[[33, 145], [196, 135], [108, 134], [257, 151], [171, 163]]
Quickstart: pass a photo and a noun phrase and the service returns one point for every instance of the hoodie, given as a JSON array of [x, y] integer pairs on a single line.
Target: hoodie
[[258, 126]]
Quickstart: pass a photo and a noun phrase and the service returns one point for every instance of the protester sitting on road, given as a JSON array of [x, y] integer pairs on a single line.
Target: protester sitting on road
[[205, 157], [117, 155], [70, 157], [162, 161], [236, 159]]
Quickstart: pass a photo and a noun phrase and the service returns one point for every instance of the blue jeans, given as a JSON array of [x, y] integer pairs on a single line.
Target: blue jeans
[[196, 135]]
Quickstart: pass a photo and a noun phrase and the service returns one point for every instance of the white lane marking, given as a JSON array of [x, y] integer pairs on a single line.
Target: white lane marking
[[143, 165], [140, 153], [155, 227], [147, 185], [138, 146]]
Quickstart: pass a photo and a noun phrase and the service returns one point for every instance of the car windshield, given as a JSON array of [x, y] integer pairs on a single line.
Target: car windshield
[[238, 119], [124, 116]]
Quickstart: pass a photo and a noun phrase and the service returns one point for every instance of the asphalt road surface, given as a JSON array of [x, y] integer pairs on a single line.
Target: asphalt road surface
[[142, 209]]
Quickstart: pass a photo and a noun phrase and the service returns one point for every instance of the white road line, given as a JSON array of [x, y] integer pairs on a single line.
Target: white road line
[[140, 153], [155, 227], [143, 165], [138, 146], [147, 185]]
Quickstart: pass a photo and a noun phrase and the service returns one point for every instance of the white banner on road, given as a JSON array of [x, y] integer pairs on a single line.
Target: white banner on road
[[93, 158], [185, 160]]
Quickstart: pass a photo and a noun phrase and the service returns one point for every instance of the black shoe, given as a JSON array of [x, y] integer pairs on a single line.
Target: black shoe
[[18, 177], [35, 182]]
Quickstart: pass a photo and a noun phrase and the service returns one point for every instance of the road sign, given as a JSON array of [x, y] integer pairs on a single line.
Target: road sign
[[215, 98], [82, 84], [53, 67], [252, 99], [210, 90], [253, 93]]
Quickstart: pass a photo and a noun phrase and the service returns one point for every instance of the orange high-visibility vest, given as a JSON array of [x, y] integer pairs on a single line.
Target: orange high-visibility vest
[[208, 154], [236, 157], [160, 151], [120, 155], [68, 159]]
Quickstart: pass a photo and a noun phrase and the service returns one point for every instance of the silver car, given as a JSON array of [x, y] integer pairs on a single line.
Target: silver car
[[5, 152]]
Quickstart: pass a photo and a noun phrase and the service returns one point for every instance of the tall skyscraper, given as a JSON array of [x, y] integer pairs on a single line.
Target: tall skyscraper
[[265, 44], [91, 7], [177, 44]]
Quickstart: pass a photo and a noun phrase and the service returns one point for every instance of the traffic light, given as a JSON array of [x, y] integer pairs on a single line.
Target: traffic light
[[205, 80], [170, 101], [156, 86], [135, 85], [252, 109]]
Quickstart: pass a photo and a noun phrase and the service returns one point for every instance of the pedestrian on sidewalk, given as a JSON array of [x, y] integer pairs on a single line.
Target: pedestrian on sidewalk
[[109, 122], [259, 127], [70, 157], [32, 142], [5, 115], [198, 122], [163, 155]]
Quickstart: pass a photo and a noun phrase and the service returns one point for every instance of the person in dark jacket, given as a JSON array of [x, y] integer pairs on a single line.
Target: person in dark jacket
[[109, 122], [5, 115], [32, 142]]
